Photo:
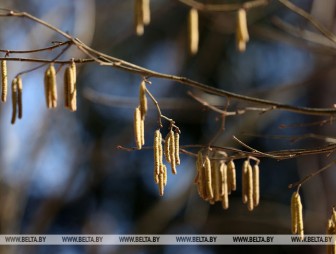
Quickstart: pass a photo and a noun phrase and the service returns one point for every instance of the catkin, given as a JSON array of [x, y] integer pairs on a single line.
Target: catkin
[[256, 187], [199, 175], [225, 198], [216, 181], [193, 31], [137, 128], [164, 172], [70, 90], [4, 81], [157, 147], [167, 147], [242, 30], [250, 202], [245, 181], [143, 99], [232, 176], [19, 96], [142, 131], [177, 148], [139, 18], [161, 184], [14, 100], [146, 12], [297, 217], [172, 152], [74, 70], [208, 186], [294, 213], [52, 86]]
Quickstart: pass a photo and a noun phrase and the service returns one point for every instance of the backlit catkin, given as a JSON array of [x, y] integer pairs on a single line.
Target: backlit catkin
[[161, 184], [139, 17], [208, 186], [157, 147], [296, 212], [242, 35], [146, 12], [143, 99], [19, 96], [245, 181], [14, 100], [177, 148], [193, 31], [199, 179], [167, 147], [172, 152], [50, 87], [250, 202], [70, 90], [256, 187], [231, 176], [216, 181], [225, 198], [4, 81], [137, 128]]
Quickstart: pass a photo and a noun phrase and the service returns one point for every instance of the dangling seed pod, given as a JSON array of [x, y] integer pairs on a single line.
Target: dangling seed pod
[[4, 81], [137, 128], [193, 31], [14, 100], [19, 96]]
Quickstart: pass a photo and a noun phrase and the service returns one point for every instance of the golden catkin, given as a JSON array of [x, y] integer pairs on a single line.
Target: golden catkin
[[172, 152], [74, 70], [299, 214], [14, 100], [137, 128], [208, 185], [250, 202], [52, 86], [177, 148], [216, 180], [242, 35], [161, 184], [167, 147], [4, 81], [164, 172], [19, 96], [68, 81], [199, 175], [143, 99], [146, 12], [73, 87], [245, 181], [139, 18], [232, 173], [225, 197], [142, 131], [157, 147], [294, 213], [47, 87], [193, 31], [256, 187]]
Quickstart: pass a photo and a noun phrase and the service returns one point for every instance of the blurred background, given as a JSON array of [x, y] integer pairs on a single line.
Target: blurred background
[[61, 172]]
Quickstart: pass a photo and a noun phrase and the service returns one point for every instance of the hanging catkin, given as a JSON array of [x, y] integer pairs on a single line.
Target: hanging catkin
[[50, 87], [14, 100], [231, 176], [19, 96], [193, 31], [139, 17], [177, 148], [242, 35], [143, 99], [250, 202], [245, 181], [137, 128], [146, 12], [4, 81], [256, 187], [225, 197], [296, 213], [70, 90], [157, 147], [208, 186], [172, 152]]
